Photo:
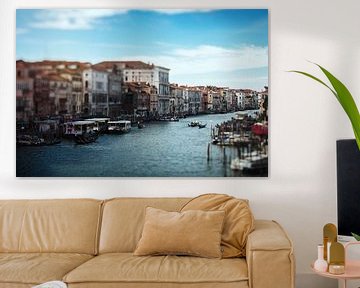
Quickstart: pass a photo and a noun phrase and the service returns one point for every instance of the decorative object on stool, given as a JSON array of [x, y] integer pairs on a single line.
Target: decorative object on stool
[[320, 264], [337, 258], [329, 236]]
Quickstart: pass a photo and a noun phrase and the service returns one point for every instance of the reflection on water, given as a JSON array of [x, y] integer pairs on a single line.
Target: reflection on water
[[160, 149]]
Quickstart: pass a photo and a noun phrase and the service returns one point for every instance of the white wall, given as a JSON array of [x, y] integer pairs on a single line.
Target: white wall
[[305, 120]]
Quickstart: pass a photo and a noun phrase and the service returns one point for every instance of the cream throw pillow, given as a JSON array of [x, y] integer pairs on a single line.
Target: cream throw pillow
[[193, 232], [238, 223]]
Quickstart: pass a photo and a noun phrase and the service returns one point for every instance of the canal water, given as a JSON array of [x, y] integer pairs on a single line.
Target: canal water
[[160, 149]]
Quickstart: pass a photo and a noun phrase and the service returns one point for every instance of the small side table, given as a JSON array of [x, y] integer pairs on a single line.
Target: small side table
[[352, 269]]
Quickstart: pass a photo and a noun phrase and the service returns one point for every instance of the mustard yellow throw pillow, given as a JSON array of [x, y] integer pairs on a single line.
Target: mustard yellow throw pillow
[[193, 232], [239, 220]]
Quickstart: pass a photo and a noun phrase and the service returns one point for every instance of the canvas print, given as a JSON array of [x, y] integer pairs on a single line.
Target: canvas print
[[142, 93]]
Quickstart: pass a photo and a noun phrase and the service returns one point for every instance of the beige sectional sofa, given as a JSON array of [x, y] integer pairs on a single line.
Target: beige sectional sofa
[[90, 243]]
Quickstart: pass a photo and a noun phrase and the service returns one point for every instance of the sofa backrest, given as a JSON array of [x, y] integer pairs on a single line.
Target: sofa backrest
[[64, 226], [123, 220]]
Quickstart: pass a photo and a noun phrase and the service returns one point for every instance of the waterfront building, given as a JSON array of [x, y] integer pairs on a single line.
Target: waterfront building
[[43, 105], [138, 72], [194, 100], [24, 92], [204, 100], [60, 92], [186, 100], [95, 89], [208, 100], [240, 99], [250, 99], [228, 100], [136, 99], [154, 102], [75, 100], [161, 80], [114, 89], [177, 99], [216, 100]]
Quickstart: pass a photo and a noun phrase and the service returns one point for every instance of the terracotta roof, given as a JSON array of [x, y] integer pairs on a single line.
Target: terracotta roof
[[54, 63], [21, 64], [125, 64]]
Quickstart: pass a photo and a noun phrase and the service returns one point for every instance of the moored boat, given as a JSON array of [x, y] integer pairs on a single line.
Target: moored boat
[[100, 124], [202, 125], [86, 137], [250, 164], [83, 132], [29, 140], [119, 127]]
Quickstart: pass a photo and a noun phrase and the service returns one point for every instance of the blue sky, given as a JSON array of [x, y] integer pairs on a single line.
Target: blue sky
[[201, 47]]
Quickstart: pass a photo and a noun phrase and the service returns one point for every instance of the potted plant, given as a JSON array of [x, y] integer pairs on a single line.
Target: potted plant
[[344, 97]]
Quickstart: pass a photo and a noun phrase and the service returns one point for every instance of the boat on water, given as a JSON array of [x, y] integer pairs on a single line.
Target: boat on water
[[83, 132], [194, 124], [202, 125], [119, 127], [140, 125], [251, 164], [29, 140], [169, 119], [34, 140], [87, 137], [100, 124]]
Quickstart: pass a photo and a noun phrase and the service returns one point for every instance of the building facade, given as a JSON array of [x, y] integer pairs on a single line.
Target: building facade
[[95, 89]]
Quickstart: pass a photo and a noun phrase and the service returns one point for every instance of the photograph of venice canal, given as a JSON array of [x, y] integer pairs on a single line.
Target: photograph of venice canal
[[141, 93]]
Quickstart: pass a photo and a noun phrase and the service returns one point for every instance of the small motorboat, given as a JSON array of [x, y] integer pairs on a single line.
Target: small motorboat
[[140, 125]]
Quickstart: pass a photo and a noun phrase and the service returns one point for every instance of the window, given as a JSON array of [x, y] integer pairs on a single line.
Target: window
[[86, 84], [99, 85]]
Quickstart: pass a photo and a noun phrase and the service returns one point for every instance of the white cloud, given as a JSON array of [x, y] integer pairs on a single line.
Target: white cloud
[[211, 65], [84, 19], [21, 31], [71, 19], [206, 58]]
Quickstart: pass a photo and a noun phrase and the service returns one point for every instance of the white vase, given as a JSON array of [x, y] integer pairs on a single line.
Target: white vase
[[320, 264]]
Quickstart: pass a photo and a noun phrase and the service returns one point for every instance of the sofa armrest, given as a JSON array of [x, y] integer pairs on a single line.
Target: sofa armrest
[[269, 256]]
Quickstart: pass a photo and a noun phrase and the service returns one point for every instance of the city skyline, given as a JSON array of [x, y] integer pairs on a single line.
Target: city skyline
[[226, 48]]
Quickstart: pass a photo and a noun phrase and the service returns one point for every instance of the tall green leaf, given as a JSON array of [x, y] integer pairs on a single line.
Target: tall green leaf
[[357, 237], [344, 97]]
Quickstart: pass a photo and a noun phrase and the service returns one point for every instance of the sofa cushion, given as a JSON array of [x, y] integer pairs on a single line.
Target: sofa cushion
[[126, 268], [238, 223], [123, 220], [193, 232], [62, 226], [36, 268]]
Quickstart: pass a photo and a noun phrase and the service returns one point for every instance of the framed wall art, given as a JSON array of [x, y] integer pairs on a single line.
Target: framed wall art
[[142, 93]]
